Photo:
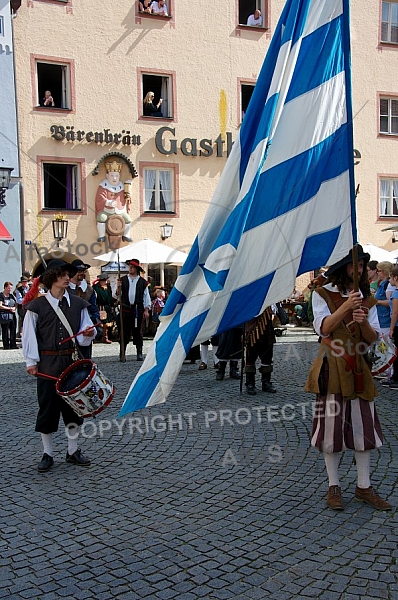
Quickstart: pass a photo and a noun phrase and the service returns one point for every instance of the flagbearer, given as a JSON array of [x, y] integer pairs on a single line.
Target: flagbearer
[[345, 413]]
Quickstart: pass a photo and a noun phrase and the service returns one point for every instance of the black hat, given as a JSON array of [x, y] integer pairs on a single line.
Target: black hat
[[347, 260], [136, 263], [22, 279], [103, 277], [56, 263], [80, 265]]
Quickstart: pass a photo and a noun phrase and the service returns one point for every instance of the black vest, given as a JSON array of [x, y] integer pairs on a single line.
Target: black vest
[[50, 331], [139, 292]]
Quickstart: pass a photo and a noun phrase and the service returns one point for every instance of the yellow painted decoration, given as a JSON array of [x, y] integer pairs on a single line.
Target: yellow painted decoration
[[223, 112]]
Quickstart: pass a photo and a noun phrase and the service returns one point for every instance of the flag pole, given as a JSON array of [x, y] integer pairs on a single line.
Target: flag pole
[[121, 334], [358, 375], [242, 361]]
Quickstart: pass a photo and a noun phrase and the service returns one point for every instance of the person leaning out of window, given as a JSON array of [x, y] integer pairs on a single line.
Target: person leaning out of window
[[145, 6], [48, 100], [151, 109], [255, 20], [159, 7]]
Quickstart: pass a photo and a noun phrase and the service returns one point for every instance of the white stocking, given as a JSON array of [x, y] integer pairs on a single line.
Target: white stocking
[[215, 359], [204, 353], [332, 467], [73, 436], [363, 468], [47, 439]]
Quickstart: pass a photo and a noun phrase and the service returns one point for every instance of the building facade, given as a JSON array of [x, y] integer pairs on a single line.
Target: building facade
[[11, 192], [97, 63]]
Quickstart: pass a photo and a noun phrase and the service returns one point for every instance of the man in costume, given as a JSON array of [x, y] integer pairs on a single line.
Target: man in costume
[[259, 343], [136, 303], [20, 293], [46, 354], [113, 198], [345, 412], [78, 285], [229, 349]]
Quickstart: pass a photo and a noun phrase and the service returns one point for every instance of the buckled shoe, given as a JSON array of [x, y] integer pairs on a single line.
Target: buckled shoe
[[334, 499], [45, 464], [78, 458], [267, 386], [370, 497]]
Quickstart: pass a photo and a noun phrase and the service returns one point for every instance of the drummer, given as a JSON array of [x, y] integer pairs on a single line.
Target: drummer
[[46, 354]]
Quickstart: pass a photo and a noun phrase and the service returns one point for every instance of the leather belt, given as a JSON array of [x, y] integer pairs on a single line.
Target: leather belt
[[131, 306], [57, 353]]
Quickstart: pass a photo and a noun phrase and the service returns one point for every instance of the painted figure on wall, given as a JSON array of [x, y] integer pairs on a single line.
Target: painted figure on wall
[[113, 198]]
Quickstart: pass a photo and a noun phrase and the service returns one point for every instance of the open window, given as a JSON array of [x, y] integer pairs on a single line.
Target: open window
[[159, 194], [246, 91], [248, 7], [54, 77], [162, 10], [162, 88], [61, 186]]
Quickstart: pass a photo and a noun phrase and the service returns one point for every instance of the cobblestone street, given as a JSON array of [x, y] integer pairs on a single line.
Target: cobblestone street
[[212, 495]]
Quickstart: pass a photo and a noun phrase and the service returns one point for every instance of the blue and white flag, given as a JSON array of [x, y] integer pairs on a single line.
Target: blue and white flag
[[285, 203]]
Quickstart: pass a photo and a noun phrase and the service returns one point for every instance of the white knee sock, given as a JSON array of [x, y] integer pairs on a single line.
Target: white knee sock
[[47, 439], [215, 359], [204, 353], [73, 436], [363, 468], [332, 467]]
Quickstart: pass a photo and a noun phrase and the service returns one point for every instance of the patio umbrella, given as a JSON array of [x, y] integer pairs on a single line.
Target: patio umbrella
[[147, 252], [378, 254]]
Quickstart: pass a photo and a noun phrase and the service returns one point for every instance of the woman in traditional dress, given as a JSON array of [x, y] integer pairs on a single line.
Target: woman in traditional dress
[[345, 412]]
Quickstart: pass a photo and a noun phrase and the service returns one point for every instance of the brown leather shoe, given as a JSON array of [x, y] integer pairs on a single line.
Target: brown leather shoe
[[202, 366], [334, 499], [370, 497]]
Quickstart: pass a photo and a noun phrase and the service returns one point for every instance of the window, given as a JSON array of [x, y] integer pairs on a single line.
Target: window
[[159, 190], [1, 25], [246, 91], [56, 78], [248, 7], [61, 186], [389, 197], [170, 275], [162, 88], [165, 9], [389, 22], [389, 115]]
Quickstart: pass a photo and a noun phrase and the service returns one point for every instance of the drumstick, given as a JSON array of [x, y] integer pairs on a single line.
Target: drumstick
[[48, 376], [78, 333]]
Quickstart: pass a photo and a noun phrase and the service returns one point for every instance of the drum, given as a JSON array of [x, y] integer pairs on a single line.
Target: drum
[[382, 354], [85, 388]]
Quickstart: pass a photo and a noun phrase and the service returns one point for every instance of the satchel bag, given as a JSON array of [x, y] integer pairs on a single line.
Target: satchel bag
[[103, 315]]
